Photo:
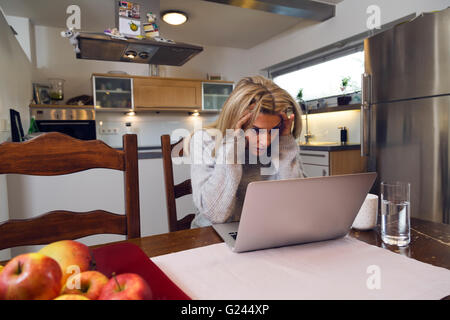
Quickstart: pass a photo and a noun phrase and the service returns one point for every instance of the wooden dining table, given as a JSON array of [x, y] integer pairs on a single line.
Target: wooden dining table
[[430, 242]]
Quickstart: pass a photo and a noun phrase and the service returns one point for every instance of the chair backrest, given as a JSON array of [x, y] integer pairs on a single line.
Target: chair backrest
[[174, 191], [54, 153]]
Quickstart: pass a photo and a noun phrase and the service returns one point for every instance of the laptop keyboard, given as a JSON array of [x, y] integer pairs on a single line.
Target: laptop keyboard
[[233, 235]]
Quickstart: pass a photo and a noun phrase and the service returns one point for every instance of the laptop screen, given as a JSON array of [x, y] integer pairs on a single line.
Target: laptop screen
[[17, 134]]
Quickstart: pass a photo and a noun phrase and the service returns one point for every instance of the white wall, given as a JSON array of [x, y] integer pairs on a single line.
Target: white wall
[[324, 126], [15, 92], [149, 126], [350, 20], [213, 60], [23, 28], [55, 58]]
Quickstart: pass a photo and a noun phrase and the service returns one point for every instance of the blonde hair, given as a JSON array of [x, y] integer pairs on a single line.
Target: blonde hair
[[267, 97]]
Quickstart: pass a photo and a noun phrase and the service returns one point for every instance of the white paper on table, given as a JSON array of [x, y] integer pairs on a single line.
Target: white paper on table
[[345, 268]]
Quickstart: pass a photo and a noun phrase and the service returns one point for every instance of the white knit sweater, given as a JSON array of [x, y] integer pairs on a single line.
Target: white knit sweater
[[216, 180]]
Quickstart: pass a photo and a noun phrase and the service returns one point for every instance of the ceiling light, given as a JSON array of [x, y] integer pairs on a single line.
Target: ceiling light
[[131, 54], [174, 17], [143, 55]]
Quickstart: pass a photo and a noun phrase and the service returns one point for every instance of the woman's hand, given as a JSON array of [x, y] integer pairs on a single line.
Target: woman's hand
[[287, 124]]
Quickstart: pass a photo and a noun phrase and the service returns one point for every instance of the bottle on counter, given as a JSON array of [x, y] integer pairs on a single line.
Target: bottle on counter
[[344, 134]]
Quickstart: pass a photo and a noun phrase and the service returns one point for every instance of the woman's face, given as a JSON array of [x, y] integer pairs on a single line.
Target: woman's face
[[258, 139]]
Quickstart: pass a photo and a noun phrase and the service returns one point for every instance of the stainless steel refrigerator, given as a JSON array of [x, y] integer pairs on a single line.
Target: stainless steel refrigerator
[[405, 110]]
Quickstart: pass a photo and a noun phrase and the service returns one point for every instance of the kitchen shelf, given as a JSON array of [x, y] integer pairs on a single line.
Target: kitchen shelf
[[335, 109]]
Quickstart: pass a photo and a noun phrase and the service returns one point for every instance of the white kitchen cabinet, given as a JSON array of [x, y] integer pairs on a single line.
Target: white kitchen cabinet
[[316, 171], [334, 162], [315, 163]]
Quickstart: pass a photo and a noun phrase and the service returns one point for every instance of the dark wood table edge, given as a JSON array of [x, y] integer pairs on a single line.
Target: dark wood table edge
[[167, 243]]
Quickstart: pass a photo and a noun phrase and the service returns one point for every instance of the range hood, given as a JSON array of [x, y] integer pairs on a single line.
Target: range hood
[[98, 46], [306, 9]]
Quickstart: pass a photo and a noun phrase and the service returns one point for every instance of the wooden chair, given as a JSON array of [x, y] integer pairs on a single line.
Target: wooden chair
[[174, 191], [54, 153]]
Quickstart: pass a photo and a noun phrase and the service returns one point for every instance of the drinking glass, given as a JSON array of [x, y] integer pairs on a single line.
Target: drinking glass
[[395, 213]]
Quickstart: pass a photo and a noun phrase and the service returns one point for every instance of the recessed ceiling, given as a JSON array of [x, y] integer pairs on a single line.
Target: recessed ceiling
[[209, 24]]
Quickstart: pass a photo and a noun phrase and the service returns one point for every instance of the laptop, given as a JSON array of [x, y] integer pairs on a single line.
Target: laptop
[[296, 211]]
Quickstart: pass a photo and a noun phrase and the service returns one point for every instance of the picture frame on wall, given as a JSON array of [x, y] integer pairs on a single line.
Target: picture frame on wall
[[129, 9], [41, 93], [129, 26], [128, 21]]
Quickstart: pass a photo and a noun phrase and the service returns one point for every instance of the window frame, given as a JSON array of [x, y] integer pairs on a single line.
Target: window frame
[[330, 52]]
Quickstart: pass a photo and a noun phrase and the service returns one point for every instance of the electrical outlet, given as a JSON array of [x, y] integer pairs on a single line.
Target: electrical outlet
[[109, 131]]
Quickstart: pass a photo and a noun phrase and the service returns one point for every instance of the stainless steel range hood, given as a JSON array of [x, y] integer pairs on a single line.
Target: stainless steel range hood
[[98, 46], [306, 9]]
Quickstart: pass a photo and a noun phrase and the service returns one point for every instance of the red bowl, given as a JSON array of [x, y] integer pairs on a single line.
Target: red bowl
[[129, 258]]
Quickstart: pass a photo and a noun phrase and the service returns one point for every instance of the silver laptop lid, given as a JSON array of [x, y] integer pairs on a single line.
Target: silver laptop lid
[[286, 212]]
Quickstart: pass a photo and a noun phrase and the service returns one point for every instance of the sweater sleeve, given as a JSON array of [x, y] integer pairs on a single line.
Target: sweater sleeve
[[214, 182], [290, 165]]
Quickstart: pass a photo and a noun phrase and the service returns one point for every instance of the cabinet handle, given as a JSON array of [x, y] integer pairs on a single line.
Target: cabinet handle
[[366, 94], [324, 173], [313, 155]]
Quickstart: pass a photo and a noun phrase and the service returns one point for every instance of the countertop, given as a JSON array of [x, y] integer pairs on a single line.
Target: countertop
[[329, 146], [154, 152]]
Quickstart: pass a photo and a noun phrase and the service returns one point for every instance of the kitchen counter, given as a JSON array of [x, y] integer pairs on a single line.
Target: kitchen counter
[[154, 152], [328, 146]]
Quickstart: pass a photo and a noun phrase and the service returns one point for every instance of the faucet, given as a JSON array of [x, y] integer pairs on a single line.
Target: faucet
[[308, 134]]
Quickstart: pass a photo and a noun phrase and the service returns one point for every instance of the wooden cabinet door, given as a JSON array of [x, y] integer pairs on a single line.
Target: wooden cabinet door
[[347, 162], [167, 93]]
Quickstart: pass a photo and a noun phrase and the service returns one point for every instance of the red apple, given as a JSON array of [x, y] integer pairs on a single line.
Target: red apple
[[126, 286], [71, 297], [30, 276], [69, 253], [91, 285]]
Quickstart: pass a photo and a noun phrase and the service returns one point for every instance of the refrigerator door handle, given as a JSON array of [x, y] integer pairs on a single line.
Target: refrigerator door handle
[[366, 94]]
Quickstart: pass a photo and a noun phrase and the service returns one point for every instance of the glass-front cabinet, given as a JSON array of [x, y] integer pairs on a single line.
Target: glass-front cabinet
[[215, 94], [113, 93]]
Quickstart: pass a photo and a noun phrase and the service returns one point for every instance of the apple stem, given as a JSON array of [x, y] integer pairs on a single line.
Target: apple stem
[[117, 282], [19, 268]]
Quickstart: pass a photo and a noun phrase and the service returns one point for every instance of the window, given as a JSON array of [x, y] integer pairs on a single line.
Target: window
[[324, 78]]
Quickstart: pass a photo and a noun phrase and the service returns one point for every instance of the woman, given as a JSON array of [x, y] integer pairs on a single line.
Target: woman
[[240, 147]]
